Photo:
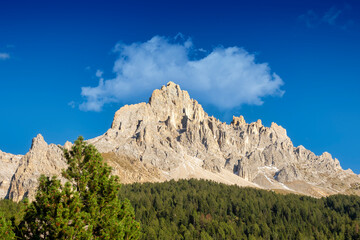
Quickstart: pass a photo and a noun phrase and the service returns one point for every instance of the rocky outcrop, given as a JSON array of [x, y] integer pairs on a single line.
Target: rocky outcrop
[[41, 159], [172, 130], [8, 165], [172, 137], [131, 170]]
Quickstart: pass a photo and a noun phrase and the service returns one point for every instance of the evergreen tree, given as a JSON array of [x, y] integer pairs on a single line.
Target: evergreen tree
[[55, 213], [109, 218], [6, 231], [87, 207]]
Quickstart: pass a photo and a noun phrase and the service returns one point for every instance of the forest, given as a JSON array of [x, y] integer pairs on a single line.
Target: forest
[[200, 209]]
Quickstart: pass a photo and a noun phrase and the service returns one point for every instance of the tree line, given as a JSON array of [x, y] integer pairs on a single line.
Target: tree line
[[200, 209], [93, 205], [87, 206]]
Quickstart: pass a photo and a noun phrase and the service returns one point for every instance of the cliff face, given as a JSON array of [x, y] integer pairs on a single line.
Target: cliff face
[[8, 165], [41, 159], [171, 137], [173, 133]]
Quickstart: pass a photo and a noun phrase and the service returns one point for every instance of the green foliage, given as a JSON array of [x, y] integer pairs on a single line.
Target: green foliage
[[109, 217], [55, 213], [93, 206], [6, 229], [199, 209], [87, 207], [12, 210]]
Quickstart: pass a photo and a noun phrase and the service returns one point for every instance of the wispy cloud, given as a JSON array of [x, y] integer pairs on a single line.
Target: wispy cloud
[[224, 77], [4, 56], [330, 17], [310, 18], [72, 104]]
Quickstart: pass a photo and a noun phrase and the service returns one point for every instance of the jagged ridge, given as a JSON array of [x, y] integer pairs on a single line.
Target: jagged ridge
[[173, 131], [172, 137]]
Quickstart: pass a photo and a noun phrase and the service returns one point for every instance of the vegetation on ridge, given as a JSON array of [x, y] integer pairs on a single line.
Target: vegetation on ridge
[[91, 205], [86, 207], [199, 209]]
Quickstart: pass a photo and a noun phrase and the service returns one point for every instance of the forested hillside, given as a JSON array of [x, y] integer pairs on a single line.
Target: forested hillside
[[198, 209]]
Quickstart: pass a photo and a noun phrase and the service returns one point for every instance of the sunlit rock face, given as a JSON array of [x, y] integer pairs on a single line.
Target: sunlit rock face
[[41, 159], [172, 137], [8, 164], [172, 131]]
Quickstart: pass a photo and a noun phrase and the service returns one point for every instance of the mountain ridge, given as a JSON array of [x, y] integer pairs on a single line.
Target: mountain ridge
[[172, 137]]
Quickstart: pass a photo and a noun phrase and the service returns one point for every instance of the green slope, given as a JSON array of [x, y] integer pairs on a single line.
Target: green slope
[[199, 209]]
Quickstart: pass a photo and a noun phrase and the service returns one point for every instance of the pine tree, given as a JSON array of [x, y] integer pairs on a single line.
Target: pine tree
[[6, 229], [109, 218], [55, 213], [86, 207]]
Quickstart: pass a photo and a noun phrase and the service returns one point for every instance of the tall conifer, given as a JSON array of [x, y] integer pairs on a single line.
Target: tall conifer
[[110, 218], [86, 207]]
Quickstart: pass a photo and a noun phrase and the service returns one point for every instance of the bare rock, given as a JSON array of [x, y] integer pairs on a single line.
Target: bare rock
[[238, 121], [41, 159], [288, 173], [8, 165], [172, 128], [172, 137], [68, 145]]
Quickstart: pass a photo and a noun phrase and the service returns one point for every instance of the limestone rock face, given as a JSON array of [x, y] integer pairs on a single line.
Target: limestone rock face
[[237, 121], [172, 137], [68, 145], [172, 132], [149, 131], [8, 165], [41, 159]]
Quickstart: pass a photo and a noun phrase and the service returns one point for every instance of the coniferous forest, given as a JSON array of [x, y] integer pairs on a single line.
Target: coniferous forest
[[199, 209]]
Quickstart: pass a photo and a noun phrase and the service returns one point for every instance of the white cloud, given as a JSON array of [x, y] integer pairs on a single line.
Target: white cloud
[[225, 77], [99, 73], [4, 56]]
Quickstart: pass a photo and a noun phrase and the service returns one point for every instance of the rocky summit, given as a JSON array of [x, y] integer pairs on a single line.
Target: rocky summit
[[172, 137]]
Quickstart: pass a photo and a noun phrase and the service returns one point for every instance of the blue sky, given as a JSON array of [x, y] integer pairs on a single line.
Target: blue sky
[[64, 66]]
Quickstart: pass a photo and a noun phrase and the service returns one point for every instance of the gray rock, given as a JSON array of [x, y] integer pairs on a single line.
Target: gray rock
[[41, 159], [173, 127], [172, 137], [8, 165]]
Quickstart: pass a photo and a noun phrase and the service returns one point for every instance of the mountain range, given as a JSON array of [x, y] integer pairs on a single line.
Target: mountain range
[[172, 137]]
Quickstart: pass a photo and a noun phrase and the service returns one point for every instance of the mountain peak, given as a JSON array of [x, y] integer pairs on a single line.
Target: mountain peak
[[38, 141], [173, 133], [42, 158], [237, 121], [68, 145], [173, 137], [171, 92], [172, 84], [168, 102]]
